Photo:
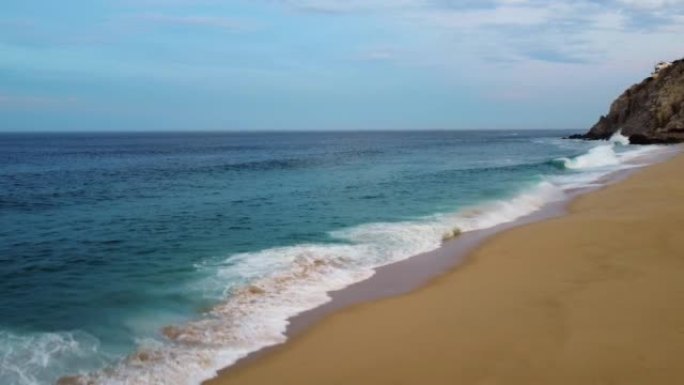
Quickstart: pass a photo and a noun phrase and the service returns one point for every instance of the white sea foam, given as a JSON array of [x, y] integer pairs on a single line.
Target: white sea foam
[[618, 153], [599, 156], [282, 282], [620, 139], [269, 287], [33, 359]]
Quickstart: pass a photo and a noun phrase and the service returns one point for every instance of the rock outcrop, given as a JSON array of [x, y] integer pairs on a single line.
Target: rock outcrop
[[649, 112]]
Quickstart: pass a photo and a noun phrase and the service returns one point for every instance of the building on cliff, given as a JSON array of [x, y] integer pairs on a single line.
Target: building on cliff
[[660, 66], [650, 112]]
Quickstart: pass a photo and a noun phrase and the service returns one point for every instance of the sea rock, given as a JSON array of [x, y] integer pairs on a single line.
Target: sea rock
[[651, 112]]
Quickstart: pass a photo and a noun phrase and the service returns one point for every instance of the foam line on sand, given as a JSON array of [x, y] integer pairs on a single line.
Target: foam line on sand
[[593, 297]]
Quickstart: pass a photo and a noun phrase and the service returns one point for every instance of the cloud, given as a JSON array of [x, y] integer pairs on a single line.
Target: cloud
[[547, 30], [378, 55], [652, 4], [509, 95], [475, 18], [35, 102], [352, 6], [579, 32], [194, 21]]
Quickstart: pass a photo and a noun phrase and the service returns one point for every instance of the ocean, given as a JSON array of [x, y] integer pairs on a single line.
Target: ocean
[[158, 258]]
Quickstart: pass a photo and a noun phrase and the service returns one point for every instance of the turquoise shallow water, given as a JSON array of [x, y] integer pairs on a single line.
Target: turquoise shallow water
[[107, 239]]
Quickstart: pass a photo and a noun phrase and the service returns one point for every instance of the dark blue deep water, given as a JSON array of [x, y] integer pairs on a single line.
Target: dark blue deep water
[[107, 238]]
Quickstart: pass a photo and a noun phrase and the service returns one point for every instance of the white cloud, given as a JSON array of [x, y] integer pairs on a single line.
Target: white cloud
[[651, 4], [474, 18], [196, 21], [347, 6], [378, 54]]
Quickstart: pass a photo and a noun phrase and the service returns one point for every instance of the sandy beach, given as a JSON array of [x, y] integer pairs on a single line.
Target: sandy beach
[[592, 297]]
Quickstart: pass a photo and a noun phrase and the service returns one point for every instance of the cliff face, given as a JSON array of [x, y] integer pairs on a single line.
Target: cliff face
[[649, 112]]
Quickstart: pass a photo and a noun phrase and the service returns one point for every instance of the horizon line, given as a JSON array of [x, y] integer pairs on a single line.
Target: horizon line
[[275, 131]]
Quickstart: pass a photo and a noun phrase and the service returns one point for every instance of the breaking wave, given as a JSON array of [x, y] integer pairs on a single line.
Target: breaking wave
[[614, 153], [269, 287], [599, 156], [279, 283], [618, 138]]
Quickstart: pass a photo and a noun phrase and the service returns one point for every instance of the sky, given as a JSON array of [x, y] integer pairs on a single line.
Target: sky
[[142, 65]]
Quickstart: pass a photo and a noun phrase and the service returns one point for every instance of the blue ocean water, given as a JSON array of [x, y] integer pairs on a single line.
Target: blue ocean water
[[134, 252]]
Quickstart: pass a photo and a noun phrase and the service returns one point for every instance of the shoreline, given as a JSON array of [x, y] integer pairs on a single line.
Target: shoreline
[[421, 271]]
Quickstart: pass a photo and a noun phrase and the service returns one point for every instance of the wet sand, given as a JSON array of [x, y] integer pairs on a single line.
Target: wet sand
[[593, 297]]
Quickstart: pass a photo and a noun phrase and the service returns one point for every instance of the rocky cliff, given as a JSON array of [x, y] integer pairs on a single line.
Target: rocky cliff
[[649, 112]]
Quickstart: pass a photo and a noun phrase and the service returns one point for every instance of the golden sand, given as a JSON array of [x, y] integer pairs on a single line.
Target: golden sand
[[594, 297]]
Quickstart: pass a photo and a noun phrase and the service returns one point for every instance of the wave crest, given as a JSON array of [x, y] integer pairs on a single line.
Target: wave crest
[[599, 156], [276, 284], [263, 290], [618, 138]]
